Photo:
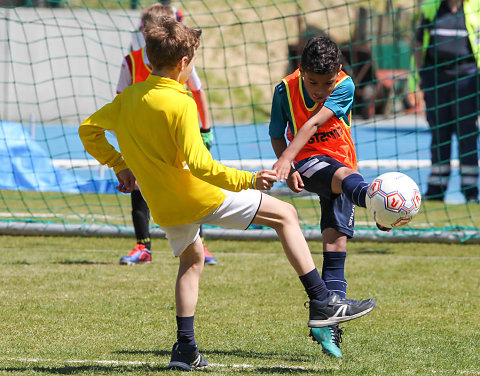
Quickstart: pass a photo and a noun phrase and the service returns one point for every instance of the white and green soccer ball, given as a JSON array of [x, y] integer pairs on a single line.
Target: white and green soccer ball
[[393, 199]]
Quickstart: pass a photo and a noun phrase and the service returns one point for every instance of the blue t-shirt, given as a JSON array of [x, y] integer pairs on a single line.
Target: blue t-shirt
[[340, 102]]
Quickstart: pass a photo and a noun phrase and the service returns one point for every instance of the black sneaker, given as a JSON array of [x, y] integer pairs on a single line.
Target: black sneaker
[[186, 357], [335, 310]]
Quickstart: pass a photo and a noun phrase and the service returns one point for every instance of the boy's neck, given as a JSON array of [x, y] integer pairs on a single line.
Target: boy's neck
[[173, 74]]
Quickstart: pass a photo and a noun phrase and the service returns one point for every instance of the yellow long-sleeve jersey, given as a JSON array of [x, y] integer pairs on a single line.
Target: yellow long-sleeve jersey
[[156, 124]]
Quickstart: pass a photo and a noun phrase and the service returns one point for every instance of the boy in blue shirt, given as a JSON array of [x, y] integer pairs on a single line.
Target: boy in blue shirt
[[313, 106]]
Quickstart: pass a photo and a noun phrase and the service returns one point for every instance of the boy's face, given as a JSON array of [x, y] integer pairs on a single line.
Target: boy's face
[[319, 86]]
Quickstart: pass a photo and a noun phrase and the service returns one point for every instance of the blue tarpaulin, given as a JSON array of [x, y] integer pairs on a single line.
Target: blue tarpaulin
[[25, 165]]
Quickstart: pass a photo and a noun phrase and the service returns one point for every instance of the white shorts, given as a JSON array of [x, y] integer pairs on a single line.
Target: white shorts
[[237, 211]]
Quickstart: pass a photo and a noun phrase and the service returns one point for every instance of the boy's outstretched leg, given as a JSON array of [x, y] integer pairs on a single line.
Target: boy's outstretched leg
[[326, 308], [185, 354], [355, 188]]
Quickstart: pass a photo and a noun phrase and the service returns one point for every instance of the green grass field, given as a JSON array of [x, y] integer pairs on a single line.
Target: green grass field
[[67, 307]]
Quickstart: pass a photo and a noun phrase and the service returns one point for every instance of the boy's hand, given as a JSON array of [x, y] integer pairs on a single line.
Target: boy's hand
[[282, 167], [127, 181], [207, 137], [265, 180], [295, 182]]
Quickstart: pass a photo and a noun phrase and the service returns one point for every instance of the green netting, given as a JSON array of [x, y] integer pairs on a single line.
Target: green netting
[[60, 62]]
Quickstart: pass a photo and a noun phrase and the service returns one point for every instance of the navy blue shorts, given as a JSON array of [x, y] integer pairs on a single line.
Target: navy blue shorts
[[338, 211]]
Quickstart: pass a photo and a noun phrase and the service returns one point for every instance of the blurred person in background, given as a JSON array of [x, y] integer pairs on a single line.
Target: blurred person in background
[[136, 68], [447, 58]]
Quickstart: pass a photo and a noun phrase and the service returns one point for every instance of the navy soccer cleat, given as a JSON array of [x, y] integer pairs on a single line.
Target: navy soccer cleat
[[334, 310], [186, 357]]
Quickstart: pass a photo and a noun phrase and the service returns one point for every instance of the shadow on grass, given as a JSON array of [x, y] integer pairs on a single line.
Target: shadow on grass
[[95, 369], [82, 262], [18, 262], [289, 370], [106, 369], [132, 367], [367, 251], [242, 354]]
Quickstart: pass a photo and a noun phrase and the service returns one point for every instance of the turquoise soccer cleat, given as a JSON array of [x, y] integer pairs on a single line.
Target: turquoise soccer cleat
[[329, 337]]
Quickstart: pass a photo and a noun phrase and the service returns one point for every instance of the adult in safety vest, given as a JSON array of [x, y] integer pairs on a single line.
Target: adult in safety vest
[[447, 58]]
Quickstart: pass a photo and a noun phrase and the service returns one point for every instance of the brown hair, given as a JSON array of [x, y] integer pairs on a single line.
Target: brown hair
[[167, 41], [155, 11]]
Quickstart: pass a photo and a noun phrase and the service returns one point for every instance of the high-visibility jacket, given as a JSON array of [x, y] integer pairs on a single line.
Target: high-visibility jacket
[[471, 8], [429, 9]]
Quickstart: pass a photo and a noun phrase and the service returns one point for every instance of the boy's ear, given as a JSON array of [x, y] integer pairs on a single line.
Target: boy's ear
[[182, 64], [340, 68]]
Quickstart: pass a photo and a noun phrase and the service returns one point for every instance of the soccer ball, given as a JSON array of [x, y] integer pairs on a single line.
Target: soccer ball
[[393, 199]]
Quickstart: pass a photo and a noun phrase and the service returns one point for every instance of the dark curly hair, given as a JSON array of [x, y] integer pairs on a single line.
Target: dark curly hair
[[321, 55]]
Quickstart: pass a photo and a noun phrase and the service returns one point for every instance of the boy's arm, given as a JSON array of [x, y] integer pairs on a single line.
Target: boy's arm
[[200, 97], [92, 134], [126, 181], [202, 165], [96, 144], [206, 131], [278, 122], [125, 77], [201, 100], [279, 145], [283, 165], [294, 180]]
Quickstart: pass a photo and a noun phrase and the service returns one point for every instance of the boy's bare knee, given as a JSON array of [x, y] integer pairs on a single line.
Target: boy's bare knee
[[343, 172], [289, 213], [198, 265], [193, 255], [338, 178]]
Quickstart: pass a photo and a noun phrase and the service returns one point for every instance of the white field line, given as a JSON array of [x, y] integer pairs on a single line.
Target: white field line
[[271, 254], [138, 363], [213, 365], [53, 215], [260, 164]]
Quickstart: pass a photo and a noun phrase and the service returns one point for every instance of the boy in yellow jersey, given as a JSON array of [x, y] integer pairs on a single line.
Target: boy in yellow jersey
[[136, 68], [313, 104], [156, 124]]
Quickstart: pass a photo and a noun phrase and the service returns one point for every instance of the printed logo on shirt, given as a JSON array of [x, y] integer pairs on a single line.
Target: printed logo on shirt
[[326, 136]]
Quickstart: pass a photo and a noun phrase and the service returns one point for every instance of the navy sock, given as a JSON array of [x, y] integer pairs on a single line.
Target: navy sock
[[314, 285], [333, 272], [355, 188], [185, 331]]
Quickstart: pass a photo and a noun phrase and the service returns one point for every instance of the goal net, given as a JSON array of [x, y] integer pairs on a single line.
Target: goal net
[[60, 62]]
